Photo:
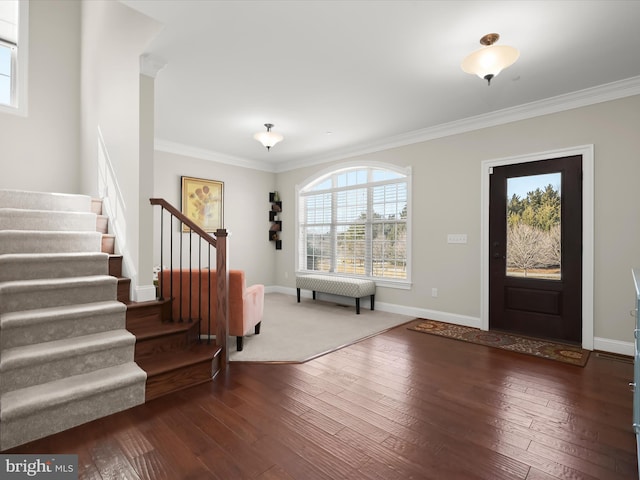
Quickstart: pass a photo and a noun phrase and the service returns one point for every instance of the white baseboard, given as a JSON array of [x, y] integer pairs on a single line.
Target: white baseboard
[[613, 346]]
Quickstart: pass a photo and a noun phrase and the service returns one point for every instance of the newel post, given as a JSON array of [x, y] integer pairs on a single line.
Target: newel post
[[222, 278]]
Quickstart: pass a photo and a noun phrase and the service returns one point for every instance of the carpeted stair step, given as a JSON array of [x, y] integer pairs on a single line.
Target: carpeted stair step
[[34, 241], [35, 294], [48, 220], [30, 365], [42, 410], [30, 266], [44, 201], [48, 324], [65, 355]]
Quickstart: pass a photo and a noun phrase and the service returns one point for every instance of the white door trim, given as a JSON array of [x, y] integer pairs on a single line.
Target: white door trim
[[587, 231]]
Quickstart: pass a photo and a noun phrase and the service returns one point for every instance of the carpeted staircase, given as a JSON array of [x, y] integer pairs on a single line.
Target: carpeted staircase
[[65, 355]]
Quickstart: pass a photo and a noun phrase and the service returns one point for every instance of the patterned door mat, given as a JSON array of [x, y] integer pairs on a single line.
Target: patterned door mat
[[571, 354]]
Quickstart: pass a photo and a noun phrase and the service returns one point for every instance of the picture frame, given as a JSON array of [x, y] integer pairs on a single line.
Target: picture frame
[[203, 203]]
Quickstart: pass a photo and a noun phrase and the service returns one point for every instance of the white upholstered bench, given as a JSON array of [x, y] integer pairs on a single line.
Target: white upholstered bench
[[345, 286]]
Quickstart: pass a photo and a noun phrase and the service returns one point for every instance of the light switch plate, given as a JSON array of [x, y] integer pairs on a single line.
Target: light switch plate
[[457, 238]]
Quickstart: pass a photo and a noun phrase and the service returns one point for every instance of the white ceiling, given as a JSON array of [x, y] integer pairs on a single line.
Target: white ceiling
[[371, 73]]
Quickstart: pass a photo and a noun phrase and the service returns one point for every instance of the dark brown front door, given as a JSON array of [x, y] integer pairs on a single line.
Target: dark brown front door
[[535, 248]]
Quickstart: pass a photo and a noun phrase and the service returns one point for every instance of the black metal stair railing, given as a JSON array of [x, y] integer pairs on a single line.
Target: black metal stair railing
[[202, 238]]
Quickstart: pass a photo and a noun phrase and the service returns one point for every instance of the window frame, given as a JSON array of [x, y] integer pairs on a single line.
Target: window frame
[[19, 65], [304, 186]]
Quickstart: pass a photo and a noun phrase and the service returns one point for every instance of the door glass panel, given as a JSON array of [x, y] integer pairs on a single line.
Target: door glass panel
[[533, 226]]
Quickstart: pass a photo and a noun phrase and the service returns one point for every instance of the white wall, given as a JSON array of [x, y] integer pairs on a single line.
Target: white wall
[[246, 211], [446, 199], [113, 38], [41, 152]]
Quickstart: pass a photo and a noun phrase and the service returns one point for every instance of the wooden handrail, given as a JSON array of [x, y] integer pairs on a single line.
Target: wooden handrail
[[219, 242], [184, 219]]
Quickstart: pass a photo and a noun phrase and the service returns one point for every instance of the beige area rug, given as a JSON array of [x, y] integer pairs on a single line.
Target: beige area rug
[[297, 332]]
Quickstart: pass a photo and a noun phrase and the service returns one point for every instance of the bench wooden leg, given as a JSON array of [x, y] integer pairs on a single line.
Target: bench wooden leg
[[358, 306], [256, 329], [314, 294], [239, 344], [373, 299], [298, 295]]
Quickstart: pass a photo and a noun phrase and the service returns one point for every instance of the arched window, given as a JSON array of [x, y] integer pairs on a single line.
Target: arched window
[[355, 221]]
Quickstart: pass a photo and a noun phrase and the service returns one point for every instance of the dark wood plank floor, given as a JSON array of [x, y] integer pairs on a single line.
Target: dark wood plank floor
[[401, 405]]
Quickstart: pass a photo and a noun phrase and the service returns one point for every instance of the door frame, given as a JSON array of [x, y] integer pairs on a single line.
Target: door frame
[[587, 231]]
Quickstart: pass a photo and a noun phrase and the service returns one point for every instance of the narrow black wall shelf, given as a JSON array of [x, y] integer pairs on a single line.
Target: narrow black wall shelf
[[274, 218]]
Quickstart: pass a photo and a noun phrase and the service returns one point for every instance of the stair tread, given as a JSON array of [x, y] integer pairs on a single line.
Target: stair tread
[[146, 332], [9, 319], [52, 256], [45, 200], [142, 305], [168, 361], [18, 285], [18, 403], [25, 355]]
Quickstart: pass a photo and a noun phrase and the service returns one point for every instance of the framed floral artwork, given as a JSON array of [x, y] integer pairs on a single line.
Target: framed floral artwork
[[202, 203]]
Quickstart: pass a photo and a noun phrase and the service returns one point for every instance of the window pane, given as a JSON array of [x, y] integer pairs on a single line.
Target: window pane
[[323, 185], [380, 175], [5, 90], [5, 60], [318, 208], [318, 254], [5, 75], [351, 205], [533, 226]]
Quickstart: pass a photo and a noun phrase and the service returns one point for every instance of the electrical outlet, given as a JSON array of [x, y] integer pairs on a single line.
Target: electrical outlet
[[457, 238], [434, 292]]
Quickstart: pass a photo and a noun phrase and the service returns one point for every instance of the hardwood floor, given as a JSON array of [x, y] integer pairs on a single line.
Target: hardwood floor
[[401, 405]]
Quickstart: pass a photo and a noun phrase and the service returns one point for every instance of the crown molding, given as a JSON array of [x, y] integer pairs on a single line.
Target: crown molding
[[150, 65], [204, 154], [581, 98]]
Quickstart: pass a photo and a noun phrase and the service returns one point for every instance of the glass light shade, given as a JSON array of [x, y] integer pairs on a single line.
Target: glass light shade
[[268, 139], [490, 60]]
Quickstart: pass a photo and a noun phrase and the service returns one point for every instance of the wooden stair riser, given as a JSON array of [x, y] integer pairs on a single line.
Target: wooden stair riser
[[108, 243], [115, 265], [174, 341], [181, 378], [96, 206], [147, 314], [124, 288], [102, 224]]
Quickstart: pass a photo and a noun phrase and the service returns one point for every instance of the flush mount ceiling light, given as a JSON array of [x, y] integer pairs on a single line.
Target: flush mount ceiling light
[[268, 138], [490, 60]]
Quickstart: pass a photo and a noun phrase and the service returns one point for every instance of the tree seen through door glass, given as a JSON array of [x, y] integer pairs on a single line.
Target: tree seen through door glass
[[533, 226]]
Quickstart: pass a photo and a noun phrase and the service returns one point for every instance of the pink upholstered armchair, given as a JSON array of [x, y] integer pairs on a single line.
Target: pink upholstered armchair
[[246, 304]]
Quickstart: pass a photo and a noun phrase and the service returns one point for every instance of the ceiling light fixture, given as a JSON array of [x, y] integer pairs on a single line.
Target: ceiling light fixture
[[268, 138], [490, 60]]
